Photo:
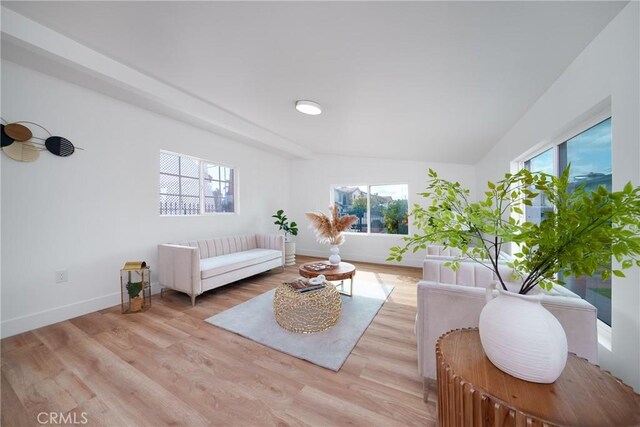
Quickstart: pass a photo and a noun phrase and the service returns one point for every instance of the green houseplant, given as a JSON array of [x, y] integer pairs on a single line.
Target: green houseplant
[[135, 301], [577, 236], [290, 229]]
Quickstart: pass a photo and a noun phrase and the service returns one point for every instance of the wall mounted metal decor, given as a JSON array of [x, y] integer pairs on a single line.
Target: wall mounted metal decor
[[19, 142]]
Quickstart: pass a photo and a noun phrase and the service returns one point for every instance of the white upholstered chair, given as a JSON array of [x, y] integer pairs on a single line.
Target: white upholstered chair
[[450, 300]]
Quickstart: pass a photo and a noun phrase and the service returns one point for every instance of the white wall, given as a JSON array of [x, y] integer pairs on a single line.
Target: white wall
[[91, 212], [311, 181], [608, 70]]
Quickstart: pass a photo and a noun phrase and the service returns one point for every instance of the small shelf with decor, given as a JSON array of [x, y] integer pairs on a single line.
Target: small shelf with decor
[[135, 287]]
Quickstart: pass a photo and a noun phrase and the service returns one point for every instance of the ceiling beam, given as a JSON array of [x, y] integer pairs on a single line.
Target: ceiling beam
[[30, 43]]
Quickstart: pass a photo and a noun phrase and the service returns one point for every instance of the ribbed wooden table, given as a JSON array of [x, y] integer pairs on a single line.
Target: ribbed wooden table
[[473, 392]]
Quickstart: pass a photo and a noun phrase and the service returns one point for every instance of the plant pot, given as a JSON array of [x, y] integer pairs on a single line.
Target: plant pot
[[289, 253], [334, 258], [135, 304], [521, 337]]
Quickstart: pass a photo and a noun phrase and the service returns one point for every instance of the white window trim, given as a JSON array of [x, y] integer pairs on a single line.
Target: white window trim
[[201, 162], [604, 333], [332, 201]]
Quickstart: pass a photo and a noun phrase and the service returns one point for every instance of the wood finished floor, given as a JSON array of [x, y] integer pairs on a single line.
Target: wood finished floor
[[168, 367]]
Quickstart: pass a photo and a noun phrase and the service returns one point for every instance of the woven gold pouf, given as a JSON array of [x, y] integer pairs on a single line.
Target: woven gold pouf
[[308, 312]]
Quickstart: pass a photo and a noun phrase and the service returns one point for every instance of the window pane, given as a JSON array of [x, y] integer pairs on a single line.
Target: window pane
[[169, 163], [190, 186], [169, 205], [219, 188], [589, 155], [228, 204], [540, 205], [189, 167], [219, 204], [190, 205], [389, 209], [353, 201], [212, 171], [169, 184], [212, 188]]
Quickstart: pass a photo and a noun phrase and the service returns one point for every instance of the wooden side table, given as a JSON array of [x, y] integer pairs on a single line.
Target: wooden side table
[[340, 273], [473, 392]]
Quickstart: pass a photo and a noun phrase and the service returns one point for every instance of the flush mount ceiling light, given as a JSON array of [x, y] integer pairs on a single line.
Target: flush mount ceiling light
[[308, 107]]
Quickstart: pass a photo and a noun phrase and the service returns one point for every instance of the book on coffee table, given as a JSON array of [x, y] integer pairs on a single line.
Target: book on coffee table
[[319, 266], [302, 285]]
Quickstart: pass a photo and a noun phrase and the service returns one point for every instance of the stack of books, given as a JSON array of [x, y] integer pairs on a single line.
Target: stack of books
[[301, 285]]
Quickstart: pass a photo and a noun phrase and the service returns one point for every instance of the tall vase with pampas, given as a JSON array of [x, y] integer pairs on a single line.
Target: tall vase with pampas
[[329, 229]]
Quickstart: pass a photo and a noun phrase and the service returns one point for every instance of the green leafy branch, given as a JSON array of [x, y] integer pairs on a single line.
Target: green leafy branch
[[578, 236]]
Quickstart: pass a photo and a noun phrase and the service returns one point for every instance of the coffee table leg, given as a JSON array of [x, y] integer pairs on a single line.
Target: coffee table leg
[[342, 291]]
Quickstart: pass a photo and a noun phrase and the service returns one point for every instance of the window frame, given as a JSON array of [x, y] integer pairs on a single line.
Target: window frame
[[201, 183], [604, 330], [562, 137], [332, 201]]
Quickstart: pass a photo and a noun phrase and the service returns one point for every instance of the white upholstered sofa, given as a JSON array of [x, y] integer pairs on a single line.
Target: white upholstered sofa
[[450, 300], [196, 266]]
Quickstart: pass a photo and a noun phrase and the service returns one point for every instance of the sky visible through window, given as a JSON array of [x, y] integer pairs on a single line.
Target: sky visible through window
[[590, 152]]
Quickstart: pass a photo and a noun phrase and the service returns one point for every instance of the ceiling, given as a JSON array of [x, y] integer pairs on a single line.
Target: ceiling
[[432, 81]]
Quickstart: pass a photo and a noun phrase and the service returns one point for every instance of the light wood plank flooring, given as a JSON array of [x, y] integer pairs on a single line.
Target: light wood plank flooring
[[168, 367]]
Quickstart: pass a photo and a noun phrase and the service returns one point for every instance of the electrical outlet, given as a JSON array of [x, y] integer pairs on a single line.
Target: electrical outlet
[[62, 276]]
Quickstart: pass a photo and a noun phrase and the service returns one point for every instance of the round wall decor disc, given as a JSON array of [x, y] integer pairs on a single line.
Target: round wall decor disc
[[22, 152], [59, 146], [18, 132], [6, 140]]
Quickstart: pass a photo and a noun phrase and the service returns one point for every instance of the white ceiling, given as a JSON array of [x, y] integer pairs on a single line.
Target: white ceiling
[[433, 81]]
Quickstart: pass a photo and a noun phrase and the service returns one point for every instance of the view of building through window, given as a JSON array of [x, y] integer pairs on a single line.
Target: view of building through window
[[589, 155], [218, 188], [381, 209], [190, 186]]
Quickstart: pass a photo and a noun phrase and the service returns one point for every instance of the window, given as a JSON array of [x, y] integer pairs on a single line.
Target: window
[[190, 186], [589, 154], [541, 163], [381, 209]]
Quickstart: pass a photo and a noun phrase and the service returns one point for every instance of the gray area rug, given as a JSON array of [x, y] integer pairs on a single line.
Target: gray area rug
[[254, 319]]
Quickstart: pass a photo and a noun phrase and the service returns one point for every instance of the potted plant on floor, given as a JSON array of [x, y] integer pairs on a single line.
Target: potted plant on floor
[[135, 300], [290, 229], [577, 236]]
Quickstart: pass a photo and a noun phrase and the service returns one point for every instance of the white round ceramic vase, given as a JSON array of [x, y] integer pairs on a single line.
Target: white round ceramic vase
[[334, 258], [521, 337]]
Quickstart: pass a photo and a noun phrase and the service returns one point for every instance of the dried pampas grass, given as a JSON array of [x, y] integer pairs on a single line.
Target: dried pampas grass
[[329, 229]]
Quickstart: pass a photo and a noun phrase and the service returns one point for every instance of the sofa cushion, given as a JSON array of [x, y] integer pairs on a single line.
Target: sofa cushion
[[222, 245], [221, 264]]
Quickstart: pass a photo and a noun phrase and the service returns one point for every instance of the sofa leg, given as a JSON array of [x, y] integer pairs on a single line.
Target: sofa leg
[[429, 385], [193, 300]]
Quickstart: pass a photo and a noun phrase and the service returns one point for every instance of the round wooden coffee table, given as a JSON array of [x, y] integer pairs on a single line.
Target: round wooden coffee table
[[333, 273]]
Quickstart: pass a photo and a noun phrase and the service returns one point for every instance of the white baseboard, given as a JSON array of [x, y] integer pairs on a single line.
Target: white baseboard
[[407, 262], [33, 321]]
